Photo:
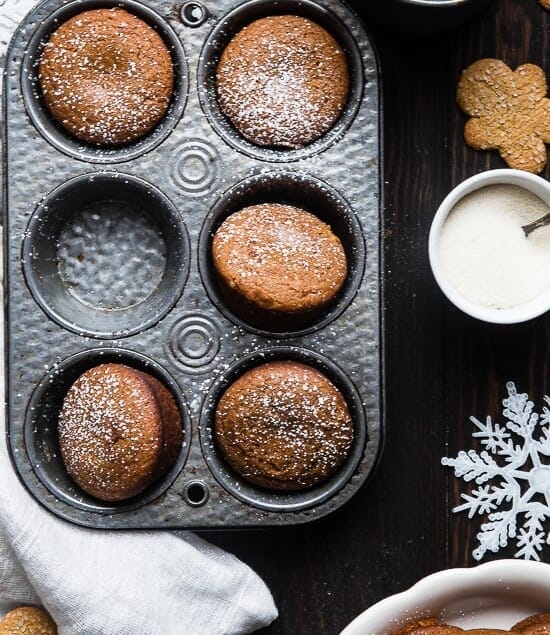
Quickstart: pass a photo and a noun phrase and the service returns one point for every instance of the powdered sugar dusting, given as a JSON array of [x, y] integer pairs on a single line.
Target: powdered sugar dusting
[[282, 81], [107, 440], [280, 255], [284, 425], [106, 76]]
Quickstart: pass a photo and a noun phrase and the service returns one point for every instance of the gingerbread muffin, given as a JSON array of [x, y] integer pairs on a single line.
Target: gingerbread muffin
[[119, 431], [282, 81], [538, 624], [427, 626], [279, 258], [106, 76], [283, 425]]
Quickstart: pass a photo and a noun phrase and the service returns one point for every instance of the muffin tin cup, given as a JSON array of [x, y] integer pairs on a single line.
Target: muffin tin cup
[[54, 132], [229, 27], [283, 501], [71, 238], [303, 191], [108, 265], [41, 432]]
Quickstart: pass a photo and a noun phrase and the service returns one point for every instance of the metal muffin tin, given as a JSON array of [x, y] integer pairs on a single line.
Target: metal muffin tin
[[107, 258]]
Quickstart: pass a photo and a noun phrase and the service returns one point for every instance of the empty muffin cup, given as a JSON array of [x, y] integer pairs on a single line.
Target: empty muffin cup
[[228, 27], [106, 255], [105, 152], [41, 428], [297, 190], [269, 499]]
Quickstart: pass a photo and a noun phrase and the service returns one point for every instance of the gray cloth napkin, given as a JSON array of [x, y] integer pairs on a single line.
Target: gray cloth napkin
[[111, 583], [102, 582]]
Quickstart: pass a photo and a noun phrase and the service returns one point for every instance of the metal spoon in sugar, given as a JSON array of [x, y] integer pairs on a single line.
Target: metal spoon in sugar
[[540, 222]]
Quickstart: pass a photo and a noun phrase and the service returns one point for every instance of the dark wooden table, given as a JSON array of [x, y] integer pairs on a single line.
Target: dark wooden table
[[441, 366]]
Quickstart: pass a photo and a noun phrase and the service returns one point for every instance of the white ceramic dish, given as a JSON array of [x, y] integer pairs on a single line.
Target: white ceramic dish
[[521, 313], [491, 595]]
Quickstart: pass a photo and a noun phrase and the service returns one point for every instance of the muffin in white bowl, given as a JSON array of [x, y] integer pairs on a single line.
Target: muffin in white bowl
[[493, 595]]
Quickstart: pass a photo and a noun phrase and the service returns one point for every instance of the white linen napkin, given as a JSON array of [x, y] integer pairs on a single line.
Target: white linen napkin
[[136, 583], [11, 13], [116, 583]]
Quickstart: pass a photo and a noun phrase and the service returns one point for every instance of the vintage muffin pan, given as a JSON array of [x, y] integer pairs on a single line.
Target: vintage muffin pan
[[107, 258]]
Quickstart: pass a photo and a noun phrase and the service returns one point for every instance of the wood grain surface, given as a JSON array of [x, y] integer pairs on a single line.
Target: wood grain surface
[[441, 366]]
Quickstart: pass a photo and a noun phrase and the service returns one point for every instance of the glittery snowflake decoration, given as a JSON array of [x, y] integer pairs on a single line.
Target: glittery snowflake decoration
[[514, 491]]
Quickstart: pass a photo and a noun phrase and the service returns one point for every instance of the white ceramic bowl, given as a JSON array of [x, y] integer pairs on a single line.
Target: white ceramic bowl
[[492, 595], [521, 313]]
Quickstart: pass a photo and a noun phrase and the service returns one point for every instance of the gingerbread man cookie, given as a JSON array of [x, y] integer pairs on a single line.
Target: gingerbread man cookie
[[509, 111]]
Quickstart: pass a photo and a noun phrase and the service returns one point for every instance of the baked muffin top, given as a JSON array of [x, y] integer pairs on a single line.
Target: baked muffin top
[[282, 81], [283, 425], [279, 257], [112, 431], [106, 76]]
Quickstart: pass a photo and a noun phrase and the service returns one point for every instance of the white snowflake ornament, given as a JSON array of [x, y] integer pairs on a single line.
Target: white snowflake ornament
[[515, 489]]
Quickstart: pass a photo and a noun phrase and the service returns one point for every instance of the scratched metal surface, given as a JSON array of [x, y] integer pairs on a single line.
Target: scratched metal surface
[[193, 343]]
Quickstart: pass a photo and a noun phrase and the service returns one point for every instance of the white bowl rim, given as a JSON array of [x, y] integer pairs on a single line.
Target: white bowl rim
[[435, 4], [449, 582], [503, 176]]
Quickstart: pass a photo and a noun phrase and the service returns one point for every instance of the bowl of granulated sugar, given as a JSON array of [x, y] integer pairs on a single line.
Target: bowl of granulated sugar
[[483, 258]]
